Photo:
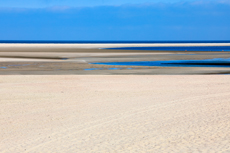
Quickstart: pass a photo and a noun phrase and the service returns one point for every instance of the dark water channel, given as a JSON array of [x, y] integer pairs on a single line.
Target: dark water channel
[[217, 62], [177, 48]]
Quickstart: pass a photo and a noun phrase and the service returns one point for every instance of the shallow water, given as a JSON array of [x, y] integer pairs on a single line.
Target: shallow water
[[217, 62], [92, 69], [114, 68], [177, 48]]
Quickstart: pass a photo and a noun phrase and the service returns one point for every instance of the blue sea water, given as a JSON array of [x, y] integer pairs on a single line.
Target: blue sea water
[[177, 48], [92, 41], [217, 62]]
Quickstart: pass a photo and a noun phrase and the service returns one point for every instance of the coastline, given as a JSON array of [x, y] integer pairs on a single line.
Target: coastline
[[68, 59], [96, 46]]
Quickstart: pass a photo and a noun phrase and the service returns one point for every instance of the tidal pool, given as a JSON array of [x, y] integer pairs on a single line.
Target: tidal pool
[[217, 62]]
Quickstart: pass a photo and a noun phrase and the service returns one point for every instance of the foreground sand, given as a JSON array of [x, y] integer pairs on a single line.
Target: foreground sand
[[114, 114]]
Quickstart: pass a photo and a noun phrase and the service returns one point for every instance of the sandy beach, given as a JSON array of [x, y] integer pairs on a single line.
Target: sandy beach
[[114, 114], [51, 101], [116, 76]]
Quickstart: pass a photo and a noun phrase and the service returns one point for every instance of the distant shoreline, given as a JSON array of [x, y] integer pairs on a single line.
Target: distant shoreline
[[75, 58], [12, 46]]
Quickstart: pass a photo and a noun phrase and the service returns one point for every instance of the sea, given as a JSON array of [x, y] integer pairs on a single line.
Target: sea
[[108, 42], [163, 48]]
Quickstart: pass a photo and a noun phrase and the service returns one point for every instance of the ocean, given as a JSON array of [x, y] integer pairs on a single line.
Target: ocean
[[177, 48], [106, 42]]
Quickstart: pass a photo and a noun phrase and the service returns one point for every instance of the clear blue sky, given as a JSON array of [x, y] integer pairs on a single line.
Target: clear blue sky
[[115, 20]]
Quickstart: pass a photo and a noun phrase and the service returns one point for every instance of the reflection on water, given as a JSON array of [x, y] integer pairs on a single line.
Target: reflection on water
[[92, 69], [114, 68], [3, 67], [217, 62]]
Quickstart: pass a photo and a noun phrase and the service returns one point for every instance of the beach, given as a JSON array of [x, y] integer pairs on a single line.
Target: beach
[[126, 76], [71, 59], [104, 113], [54, 98]]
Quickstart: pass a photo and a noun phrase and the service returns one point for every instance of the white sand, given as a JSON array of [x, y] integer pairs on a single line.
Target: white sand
[[114, 114]]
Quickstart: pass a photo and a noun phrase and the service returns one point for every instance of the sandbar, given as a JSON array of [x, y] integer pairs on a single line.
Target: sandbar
[[69, 59]]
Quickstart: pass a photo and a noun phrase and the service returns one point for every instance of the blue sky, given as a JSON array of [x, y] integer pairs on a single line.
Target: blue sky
[[78, 3], [114, 20]]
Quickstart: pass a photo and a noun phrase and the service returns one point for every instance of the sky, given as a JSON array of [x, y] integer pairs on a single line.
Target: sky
[[151, 20]]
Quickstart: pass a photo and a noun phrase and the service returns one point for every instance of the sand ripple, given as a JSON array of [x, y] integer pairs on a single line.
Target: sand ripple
[[115, 114]]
